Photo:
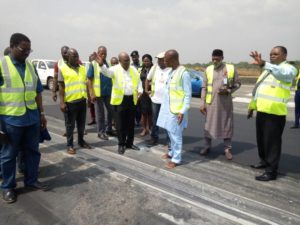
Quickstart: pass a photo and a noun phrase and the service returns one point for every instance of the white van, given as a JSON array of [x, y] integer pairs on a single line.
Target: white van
[[45, 70]]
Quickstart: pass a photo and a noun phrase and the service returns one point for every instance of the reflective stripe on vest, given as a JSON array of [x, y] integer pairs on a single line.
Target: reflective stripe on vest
[[210, 75], [272, 95], [75, 83], [118, 87], [96, 80], [176, 90], [16, 94]]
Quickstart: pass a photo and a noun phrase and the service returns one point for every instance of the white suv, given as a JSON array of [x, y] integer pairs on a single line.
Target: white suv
[[45, 70]]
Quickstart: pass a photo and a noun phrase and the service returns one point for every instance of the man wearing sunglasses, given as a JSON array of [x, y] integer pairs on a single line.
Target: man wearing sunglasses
[[21, 116]]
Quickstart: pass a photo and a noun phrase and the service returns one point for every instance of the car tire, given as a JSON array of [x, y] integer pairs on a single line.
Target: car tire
[[50, 83]]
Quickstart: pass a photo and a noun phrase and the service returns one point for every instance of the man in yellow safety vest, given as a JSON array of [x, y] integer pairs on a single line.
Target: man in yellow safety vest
[[176, 102], [21, 115], [126, 87], [219, 82], [73, 95], [269, 98]]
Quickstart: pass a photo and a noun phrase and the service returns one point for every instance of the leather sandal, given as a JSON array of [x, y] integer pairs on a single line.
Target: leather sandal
[[71, 151], [166, 156], [171, 165], [228, 154]]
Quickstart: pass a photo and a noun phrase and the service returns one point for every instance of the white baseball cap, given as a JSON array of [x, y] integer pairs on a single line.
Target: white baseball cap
[[160, 55]]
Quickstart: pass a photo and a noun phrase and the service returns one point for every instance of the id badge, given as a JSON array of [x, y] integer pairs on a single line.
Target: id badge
[[225, 80]]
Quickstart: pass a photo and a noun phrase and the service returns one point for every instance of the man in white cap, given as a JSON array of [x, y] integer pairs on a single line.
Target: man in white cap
[[156, 78]]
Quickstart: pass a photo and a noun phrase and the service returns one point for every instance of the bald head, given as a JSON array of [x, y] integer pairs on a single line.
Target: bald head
[[124, 60], [172, 58], [73, 57]]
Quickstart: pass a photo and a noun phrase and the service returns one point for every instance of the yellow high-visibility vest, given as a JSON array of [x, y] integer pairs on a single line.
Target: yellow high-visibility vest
[[96, 80], [297, 81], [272, 95], [153, 79], [118, 85], [75, 83], [210, 73], [15, 94], [176, 91]]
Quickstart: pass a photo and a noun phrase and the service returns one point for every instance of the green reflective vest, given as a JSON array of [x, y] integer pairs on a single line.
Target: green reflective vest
[[96, 80], [75, 83], [16, 94], [210, 73], [176, 91], [118, 85], [271, 95]]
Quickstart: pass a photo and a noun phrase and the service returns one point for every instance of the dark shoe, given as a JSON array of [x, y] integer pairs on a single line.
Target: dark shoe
[[37, 186], [103, 136], [121, 149], [294, 127], [258, 166], [71, 151], [171, 165], [166, 156], [133, 147], [64, 134], [266, 176], [111, 133], [92, 122], [9, 196], [204, 151], [228, 154], [85, 145]]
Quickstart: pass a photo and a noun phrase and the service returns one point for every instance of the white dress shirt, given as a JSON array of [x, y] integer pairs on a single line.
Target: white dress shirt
[[128, 89]]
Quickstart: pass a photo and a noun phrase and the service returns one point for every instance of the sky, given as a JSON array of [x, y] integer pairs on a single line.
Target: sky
[[193, 27]]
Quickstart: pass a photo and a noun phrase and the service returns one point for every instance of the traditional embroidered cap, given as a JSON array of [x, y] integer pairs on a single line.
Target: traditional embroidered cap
[[160, 55], [217, 52]]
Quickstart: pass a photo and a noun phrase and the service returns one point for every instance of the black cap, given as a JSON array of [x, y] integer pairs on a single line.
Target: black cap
[[217, 52], [134, 53]]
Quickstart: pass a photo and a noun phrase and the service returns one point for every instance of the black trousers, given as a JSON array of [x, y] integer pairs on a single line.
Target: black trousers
[[124, 117], [76, 112], [269, 129]]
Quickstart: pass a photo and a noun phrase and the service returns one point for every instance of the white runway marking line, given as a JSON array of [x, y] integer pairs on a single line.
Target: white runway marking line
[[198, 204]]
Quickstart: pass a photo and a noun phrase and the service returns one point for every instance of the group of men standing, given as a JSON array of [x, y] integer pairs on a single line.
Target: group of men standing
[[118, 88]]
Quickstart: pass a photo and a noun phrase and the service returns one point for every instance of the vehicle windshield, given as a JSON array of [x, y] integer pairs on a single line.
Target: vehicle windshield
[[50, 64]]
